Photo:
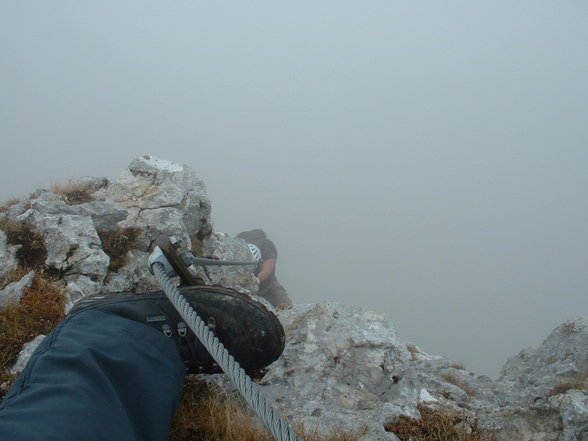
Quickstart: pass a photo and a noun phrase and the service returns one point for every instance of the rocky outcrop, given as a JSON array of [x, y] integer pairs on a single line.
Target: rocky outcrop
[[537, 373], [151, 197], [346, 367], [72, 243], [343, 367], [161, 197], [542, 392]]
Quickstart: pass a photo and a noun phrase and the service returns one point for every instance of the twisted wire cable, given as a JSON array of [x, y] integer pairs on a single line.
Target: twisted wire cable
[[250, 391]]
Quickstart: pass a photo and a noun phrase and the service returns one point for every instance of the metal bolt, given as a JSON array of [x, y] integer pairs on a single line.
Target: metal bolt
[[176, 242]]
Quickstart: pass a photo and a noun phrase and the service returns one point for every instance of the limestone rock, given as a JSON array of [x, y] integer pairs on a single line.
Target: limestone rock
[[573, 407], [153, 196], [343, 367], [73, 246], [15, 290], [25, 354], [155, 221], [133, 277], [542, 392], [346, 368], [7, 255], [219, 246], [78, 286], [340, 369], [533, 374], [162, 197], [104, 214], [19, 208], [92, 183]]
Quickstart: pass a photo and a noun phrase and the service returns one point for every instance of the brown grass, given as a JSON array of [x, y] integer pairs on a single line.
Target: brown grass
[[196, 249], [6, 381], [32, 253], [72, 193], [206, 413], [13, 276], [437, 425], [38, 312], [117, 244], [577, 381], [8, 203], [335, 435]]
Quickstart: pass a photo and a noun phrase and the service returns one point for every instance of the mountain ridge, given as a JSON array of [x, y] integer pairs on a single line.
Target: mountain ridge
[[343, 365]]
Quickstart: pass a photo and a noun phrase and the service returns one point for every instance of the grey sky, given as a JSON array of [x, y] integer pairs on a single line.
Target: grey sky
[[424, 159]]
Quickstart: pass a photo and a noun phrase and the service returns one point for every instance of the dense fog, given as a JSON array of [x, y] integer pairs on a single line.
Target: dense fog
[[425, 160]]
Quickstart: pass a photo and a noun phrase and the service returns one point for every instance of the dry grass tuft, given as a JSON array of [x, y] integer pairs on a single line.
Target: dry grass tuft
[[38, 312], [13, 276], [7, 204], [72, 193], [437, 425], [206, 413], [117, 244], [196, 249], [335, 435], [6, 381], [32, 253]]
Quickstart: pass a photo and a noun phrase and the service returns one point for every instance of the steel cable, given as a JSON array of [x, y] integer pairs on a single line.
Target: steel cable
[[250, 391]]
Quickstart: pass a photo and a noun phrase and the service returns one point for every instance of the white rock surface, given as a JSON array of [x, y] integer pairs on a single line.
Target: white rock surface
[[105, 215], [72, 243], [162, 197], [25, 354], [344, 367], [133, 277], [7, 255], [15, 290], [535, 372]]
